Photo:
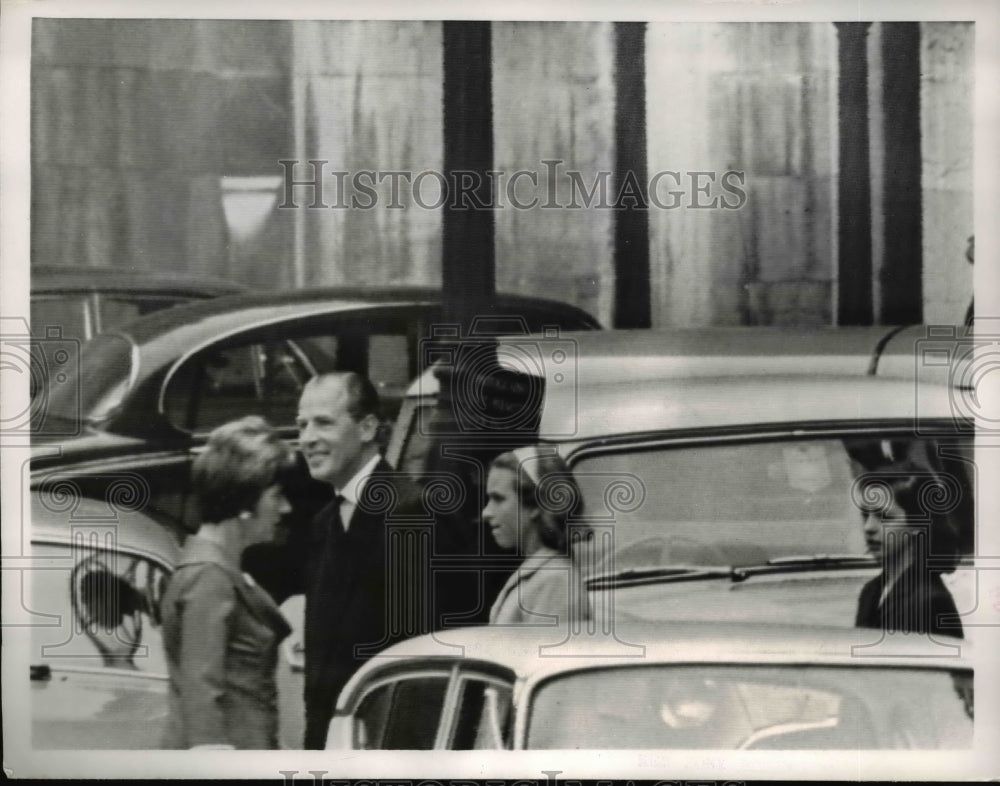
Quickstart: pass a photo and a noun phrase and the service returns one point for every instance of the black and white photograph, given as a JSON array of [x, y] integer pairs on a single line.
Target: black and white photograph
[[479, 392]]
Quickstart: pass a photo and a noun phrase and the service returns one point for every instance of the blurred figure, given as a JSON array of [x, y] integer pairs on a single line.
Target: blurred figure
[[530, 497], [905, 525], [220, 630], [970, 255]]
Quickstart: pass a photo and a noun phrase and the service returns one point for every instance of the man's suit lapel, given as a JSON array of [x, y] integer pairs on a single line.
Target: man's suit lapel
[[364, 540]]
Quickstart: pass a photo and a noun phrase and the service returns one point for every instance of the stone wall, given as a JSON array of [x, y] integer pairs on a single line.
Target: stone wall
[[553, 95], [947, 57], [755, 98], [136, 122], [369, 98]]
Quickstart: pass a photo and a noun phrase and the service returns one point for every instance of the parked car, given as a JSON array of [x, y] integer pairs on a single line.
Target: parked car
[[146, 395], [71, 304], [84, 301], [97, 663], [125, 426], [93, 584], [715, 464], [693, 686]]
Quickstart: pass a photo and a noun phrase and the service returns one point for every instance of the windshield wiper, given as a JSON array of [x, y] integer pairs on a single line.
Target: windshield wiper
[[817, 558], [661, 575], [734, 573], [807, 562]]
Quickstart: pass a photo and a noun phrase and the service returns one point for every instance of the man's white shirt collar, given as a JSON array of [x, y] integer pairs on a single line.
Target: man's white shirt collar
[[353, 488]]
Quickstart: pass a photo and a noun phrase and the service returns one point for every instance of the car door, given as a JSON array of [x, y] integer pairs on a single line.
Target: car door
[[430, 705], [98, 667]]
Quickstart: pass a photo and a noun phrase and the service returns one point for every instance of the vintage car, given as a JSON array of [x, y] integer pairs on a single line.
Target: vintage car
[[713, 463], [71, 304], [84, 301], [89, 620], [124, 427], [691, 686], [719, 478], [145, 396], [93, 580]]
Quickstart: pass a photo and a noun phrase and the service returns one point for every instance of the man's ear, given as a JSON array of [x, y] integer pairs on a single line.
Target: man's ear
[[369, 428]]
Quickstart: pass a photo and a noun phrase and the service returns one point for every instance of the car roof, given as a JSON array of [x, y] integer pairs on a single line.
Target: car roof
[[647, 405], [703, 351], [691, 352], [117, 526], [215, 315], [533, 653], [628, 381], [164, 336], [53, 279], [931, 353]]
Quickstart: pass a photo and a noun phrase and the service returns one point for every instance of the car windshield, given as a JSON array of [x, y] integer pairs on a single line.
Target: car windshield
[[750, 706], [736, 504], [90, 397]]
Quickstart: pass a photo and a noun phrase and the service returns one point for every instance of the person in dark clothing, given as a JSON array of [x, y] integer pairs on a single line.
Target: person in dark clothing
[[365, 567], [903, 531]]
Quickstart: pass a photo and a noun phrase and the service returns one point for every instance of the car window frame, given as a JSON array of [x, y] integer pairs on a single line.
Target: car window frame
[[458, 673], [412, 671], [357, 325], [89, 316], [478, 673]]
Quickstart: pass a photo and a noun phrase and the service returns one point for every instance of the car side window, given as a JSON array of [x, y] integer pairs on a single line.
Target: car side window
[[482, 720], [259, 378], [401, 715], [72, 315], [388, 364], [265, 374]]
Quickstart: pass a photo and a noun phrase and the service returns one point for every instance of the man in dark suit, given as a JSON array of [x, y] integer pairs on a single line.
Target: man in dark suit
[[354, 550]]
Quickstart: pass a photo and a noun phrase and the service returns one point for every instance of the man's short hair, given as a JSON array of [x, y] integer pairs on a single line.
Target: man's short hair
[[362, 397]]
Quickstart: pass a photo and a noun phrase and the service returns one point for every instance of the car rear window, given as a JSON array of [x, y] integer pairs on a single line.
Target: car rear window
[[76, 396], [68, 314], [751, 706]]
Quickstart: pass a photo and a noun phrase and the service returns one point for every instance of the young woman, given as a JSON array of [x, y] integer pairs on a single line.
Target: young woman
[[530, 498], [904, 528], [221, 631]]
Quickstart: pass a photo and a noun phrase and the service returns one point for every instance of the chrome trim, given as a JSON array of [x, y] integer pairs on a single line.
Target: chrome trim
[[446, 719], [130, 551], [129, 461], [106, 671], [574, 451], [489, 679], [445, 669]]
